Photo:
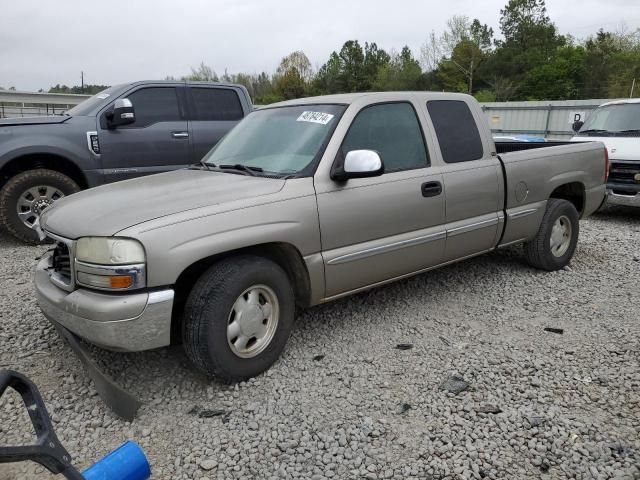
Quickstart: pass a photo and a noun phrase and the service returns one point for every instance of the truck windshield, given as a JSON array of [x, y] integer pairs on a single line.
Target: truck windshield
[[613, 120], [281, 140], [85, 107]]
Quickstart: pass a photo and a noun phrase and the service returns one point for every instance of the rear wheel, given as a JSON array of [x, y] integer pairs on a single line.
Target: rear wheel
[[555, 243], [238, 317], [25, 196]]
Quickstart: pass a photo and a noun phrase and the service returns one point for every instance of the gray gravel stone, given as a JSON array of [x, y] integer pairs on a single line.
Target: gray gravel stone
[[570, 403]]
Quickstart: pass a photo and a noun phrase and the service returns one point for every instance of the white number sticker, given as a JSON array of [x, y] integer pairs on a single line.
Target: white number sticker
[[315, 117]]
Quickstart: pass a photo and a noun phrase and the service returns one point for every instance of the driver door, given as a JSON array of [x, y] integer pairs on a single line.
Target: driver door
[[157, 141], [380, 228]]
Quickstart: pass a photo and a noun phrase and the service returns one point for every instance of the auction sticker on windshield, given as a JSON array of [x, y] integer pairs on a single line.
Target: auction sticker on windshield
[[315, 117]]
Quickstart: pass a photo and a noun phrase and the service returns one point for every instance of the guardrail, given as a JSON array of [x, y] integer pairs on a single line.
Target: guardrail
[[23, 104]]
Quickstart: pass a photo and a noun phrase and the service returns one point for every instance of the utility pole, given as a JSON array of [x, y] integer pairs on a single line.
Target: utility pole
[[633, 84], [82, 81]]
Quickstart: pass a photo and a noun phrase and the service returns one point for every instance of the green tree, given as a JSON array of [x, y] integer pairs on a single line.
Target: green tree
[[557, 79], [292, 76], [462, 49], [530, 40], [78, 89], [202, 73], [612, 62], [374, 59], [402, 72], [328, 80], [296, 60], [352, 73]]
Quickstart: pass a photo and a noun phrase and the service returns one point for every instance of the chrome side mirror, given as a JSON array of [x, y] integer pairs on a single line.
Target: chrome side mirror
[[122, 113], [358, 164]]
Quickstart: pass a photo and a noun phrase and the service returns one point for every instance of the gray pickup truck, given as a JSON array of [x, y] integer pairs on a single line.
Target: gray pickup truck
[[123, 132], [301, 203]]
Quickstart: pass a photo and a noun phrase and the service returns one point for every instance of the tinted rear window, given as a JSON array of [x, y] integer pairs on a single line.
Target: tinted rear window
[[456, 130], [216, 104]]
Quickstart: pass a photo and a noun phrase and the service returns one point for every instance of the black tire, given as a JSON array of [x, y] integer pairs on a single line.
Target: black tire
[[19, 184], [207, 316], [538, 251]]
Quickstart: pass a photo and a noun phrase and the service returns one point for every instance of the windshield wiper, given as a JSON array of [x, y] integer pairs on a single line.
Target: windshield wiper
[[631, 130], [243, 168], [594, 130], [202, 163]]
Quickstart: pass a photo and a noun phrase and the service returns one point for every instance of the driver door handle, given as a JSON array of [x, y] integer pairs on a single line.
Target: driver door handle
[[431, 189], [180, 134]]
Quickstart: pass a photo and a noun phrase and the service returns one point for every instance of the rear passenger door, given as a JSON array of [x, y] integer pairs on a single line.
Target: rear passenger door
[[156, 142], [472, 180], [214, 110]]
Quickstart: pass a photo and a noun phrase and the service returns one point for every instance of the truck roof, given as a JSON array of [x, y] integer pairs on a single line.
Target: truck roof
[[183, 82], [621, 102], [348, 98]]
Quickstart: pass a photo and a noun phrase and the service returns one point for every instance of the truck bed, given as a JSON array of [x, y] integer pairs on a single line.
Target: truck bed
[[535, 173]]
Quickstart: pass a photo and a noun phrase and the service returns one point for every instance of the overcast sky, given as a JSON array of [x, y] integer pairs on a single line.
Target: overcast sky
[[43, 42]]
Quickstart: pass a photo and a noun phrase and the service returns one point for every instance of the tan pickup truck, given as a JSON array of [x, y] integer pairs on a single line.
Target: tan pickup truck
[[301, 203]]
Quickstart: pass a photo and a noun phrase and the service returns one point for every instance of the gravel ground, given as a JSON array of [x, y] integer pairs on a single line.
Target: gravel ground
[[481, 390]]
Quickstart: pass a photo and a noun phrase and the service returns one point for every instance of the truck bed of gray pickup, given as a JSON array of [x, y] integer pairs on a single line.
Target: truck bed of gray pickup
[[303, 202]]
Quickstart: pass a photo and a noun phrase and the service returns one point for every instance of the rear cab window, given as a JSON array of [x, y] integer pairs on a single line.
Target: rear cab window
[[215, 104], [456, 130]]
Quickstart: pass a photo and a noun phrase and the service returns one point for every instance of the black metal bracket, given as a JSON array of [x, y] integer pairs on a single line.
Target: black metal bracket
[[47, 451]]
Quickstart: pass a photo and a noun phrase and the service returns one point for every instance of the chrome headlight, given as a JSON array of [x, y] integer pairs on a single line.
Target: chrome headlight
[[110, 263]]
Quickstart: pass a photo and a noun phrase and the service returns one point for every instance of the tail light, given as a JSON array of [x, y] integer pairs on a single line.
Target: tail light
[[607, 165]]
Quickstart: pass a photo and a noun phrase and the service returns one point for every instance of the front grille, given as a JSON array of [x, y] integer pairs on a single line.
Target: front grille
[[61, 262], [624, 172]]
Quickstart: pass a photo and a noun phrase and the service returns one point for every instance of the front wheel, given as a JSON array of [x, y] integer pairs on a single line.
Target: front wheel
[[25, 196], [555, 243], [238, 317]]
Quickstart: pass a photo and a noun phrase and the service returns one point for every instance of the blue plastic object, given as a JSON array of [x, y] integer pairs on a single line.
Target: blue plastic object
[[127, 462]]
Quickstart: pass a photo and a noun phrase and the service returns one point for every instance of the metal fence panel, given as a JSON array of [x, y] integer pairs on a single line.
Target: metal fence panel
[[551, 119]]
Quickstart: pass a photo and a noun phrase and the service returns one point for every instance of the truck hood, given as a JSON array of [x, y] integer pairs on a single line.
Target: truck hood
[[106, 210], [7, 122], [619, 148]]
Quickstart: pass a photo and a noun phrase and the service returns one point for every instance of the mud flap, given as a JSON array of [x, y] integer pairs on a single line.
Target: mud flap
[[117, 399]]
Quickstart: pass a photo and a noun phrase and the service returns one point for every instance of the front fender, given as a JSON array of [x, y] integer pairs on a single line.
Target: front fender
[[67, 140], [178, 241]]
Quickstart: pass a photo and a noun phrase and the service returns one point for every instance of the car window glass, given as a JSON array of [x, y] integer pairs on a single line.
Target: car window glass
[[153, 105], [456, 130], [392, 130], [216, 104]]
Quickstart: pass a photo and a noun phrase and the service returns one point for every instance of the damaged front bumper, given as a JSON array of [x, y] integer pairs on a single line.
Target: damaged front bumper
[[131, 321]]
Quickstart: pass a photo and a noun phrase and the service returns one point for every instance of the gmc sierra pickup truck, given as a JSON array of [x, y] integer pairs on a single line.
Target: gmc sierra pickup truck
[[301, 203], [123, 132]]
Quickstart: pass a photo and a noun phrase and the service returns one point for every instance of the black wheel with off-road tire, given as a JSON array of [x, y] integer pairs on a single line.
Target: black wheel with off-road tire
[[238, 317], [555, 243], [25, 196]]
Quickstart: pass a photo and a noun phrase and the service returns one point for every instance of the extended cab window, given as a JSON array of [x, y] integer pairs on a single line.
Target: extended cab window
[[216, 104], [153, 105], [456, 130], [392, 130]]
